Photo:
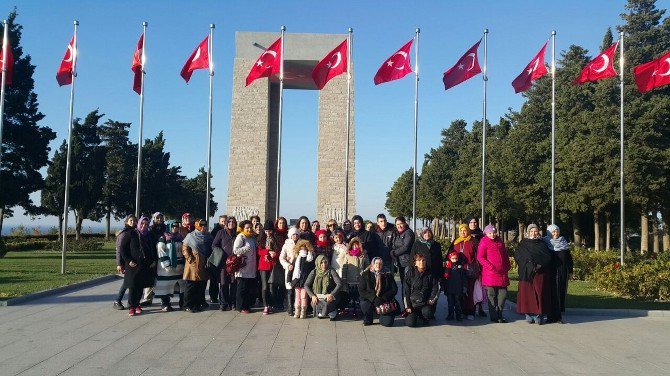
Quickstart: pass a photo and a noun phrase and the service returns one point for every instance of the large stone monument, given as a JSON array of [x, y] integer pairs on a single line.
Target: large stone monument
[[254, 119]]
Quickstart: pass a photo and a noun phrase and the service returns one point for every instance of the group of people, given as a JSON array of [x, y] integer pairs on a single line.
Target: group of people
[[336, 271]]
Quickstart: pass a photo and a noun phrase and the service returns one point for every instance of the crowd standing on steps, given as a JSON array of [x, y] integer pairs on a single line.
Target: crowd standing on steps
[[337, 272]]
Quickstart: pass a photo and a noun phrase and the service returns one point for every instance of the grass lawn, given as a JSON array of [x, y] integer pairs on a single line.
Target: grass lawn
[[583, 294], [27, 272]]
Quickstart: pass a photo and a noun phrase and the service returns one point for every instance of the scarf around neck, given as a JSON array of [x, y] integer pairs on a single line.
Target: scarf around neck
[[199, 241], [461, 239], [556, 245], [322, 277]]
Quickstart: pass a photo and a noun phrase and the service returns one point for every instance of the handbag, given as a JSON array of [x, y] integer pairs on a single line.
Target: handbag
[[387, 308], [234, 263]]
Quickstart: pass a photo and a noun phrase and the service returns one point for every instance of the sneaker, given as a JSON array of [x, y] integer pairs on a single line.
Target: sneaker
[[470, 317], [167, 308], [131, 312], [119, 306], [266, 310], [189, 310], [502, 320], [138, 310], [245, 311]]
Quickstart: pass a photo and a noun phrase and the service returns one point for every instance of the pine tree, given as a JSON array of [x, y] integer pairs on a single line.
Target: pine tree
[[399, 198]]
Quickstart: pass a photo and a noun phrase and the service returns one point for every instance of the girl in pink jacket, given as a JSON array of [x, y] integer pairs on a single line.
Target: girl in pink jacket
[[494, 260]]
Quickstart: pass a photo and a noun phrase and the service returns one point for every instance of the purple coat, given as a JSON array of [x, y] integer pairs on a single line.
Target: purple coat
[[494, 260]]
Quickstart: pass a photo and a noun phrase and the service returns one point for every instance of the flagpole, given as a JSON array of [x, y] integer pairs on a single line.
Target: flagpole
[[281, 104], [69, 148], [209, 132], [346, 153], [416, 119], [5, 46], [486, 79], [621, 134], [553, 126], [138, 188]]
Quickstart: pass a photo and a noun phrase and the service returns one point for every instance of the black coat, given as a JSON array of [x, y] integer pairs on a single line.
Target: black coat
[[132, 248], [434, 259], [369, 243], [402, 246], [420, 288], [531, 256], [366, 287], [306, 267], [384, 240]]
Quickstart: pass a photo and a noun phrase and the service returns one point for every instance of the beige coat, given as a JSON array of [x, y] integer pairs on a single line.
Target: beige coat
[[194, 268]]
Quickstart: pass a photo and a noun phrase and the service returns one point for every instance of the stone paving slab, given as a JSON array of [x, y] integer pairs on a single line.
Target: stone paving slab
[[78, 333]]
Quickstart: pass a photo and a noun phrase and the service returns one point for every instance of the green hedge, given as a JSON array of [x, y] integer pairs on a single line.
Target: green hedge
[[43, 244], [647, 279]]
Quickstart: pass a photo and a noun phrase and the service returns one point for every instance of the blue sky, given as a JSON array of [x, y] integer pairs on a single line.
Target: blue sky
[[109, 31]]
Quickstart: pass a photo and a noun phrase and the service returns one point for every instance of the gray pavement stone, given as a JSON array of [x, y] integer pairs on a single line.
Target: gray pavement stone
[[78, 333]]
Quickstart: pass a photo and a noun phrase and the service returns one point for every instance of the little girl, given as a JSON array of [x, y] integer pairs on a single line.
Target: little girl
[[323, 244], [286, 258], [339, 249], [303, 264], [353, 262]]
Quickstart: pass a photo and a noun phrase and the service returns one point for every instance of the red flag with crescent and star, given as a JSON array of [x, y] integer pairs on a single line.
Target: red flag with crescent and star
[[268, 64], [534, 70], [395, 67], [66, 69], [600, 67], [332, 65], [653, 74], [465, 68], [199, 59], [7, 63], [138, 66]]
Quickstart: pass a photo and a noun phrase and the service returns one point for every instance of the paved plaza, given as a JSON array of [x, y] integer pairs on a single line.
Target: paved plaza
[[80, 334]]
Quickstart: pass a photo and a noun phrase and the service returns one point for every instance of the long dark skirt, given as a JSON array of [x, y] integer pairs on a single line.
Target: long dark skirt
[[562, 273], [539, 296]]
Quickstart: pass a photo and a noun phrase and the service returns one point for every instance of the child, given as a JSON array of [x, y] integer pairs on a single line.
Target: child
[[170, 268], [323, 244], [286, 258], [303, 264], [339, 248], [456, 282], [353, 262]]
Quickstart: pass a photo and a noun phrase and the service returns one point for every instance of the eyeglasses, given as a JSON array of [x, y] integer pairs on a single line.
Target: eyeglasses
[[331, 225]]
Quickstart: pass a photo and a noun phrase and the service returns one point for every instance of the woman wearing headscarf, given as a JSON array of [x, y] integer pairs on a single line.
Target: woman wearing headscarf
[[138, 259], [426, 245], [421, 292], [536, 297], [196, 247], [473, 225], [556, 243], [322, 286], [377, 289], [466, 244], [170, 269], [494, 260], [223, 242], [245, 246]]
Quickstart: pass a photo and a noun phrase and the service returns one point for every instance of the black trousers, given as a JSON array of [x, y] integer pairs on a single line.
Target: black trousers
[[227, 291], [420, 316], [368, 314], [214, 286], [267, 292], [244, 292], [134, 296], [194, 294], [454, 304], [496, 297]]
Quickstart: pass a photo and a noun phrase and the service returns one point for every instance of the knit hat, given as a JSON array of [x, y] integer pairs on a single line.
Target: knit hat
[[317, 233], [293, 231], [186, 215], [453, 254], [552, 228], [269, 225], [530, 227], [489, 229]]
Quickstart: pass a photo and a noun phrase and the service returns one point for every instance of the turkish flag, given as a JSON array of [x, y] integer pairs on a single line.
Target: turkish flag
[[8, 64], [268, 64], [653, 74], [534, 70], [395, 67], [66, 69], [466, 67], [199, 59], [334, 64], [138, 66], [600, 67]]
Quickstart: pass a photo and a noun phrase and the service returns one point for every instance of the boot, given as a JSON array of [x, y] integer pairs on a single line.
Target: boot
[[297, 310], [303, 312], [289, 309]]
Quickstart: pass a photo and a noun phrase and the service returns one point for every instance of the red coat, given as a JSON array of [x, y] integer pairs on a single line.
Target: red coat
[[264, 261], [494, 260]]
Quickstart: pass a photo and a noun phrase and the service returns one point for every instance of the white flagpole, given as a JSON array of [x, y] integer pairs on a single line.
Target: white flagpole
[[5, 47], [281, 104], [485, 78], [621, 187], [346, 153], [73, 55], [138, 188], [553, 126], [416, 119], [209, 132]]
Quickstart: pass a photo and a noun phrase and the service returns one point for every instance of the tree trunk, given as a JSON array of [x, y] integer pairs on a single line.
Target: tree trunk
[[60, 227], [521, 229], [644, 233], [436, 225], [654, 231], [2, 218], [608, 231], [596, 231], [78, 221], [576, 230], [666, 237], [107, 223], [455, 229]]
